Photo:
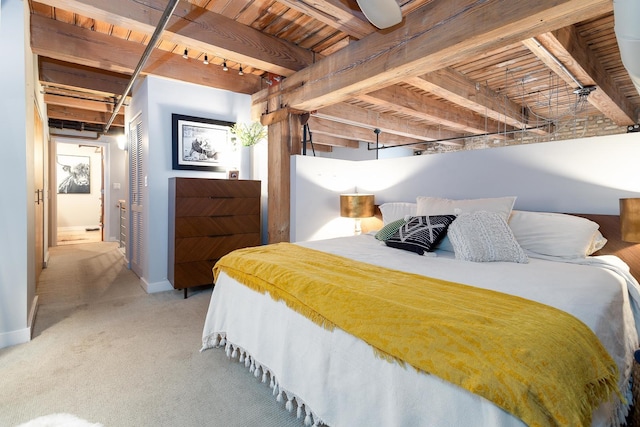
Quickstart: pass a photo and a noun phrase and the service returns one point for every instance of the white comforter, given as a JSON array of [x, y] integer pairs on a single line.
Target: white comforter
[[337, 380]]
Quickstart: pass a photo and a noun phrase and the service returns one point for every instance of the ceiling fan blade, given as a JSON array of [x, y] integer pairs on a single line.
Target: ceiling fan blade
[[381, 13]]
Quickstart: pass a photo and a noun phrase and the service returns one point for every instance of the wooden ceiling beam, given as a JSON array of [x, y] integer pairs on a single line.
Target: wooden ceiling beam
[[64, 74], [438, 35], [569, 48], [78, 115], [80, 103], [335, 14], [455, 87], [386, 122], [65, 42], [422, 107], [198, 28], [333, 141], [355, 133]]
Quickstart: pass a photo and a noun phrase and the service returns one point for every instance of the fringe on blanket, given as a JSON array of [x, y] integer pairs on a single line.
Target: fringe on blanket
[[233, 351], [626, 414]]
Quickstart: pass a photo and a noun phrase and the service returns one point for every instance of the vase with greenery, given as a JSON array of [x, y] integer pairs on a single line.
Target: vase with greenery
[[249, 134]]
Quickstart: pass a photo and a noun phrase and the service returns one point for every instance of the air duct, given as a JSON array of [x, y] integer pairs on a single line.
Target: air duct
[[625, 14]]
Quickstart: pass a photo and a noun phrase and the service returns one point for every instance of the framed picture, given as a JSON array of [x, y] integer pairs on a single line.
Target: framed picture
[[73, 174], [201, 144], [233, 174]]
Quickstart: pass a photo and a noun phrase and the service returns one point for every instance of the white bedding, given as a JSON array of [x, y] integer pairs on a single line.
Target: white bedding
[[340, 381]]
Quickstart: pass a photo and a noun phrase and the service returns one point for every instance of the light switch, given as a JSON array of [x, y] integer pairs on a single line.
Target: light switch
[[116, 185]]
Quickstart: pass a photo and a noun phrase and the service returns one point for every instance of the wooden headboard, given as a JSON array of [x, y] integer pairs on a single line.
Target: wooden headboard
[[609, 227]]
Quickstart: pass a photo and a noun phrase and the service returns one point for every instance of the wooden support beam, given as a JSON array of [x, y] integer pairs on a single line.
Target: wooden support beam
[[568, 47], [63, 74], [356, 133], [458, 89], [75, 114], [335, 14], [80, 103], [438, 35], [423, 107], [334, 141], [196, 27], [66, 42], [284, 140], [386, 122]]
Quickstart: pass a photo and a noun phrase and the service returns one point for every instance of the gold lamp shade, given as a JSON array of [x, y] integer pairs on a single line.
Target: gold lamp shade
[[356, 205], [630, 219]]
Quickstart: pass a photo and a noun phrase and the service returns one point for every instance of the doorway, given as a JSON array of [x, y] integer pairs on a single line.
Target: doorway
[[79, 186]]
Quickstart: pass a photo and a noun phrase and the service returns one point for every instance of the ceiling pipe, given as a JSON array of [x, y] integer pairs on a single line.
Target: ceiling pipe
[[162, 24], [625, 15]]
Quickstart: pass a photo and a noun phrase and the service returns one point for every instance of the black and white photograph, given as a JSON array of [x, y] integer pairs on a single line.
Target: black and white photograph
[[201, 144], [73, 174]]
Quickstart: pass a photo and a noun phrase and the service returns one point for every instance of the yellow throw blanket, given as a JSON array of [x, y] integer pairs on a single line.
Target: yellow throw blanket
[[538, 363]]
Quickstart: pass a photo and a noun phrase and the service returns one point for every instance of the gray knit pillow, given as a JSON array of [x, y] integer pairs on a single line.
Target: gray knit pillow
[[483, 236]]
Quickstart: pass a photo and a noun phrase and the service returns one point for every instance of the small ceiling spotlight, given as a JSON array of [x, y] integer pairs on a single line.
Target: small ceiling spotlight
[[224, 66], [185, 55], [240, 72], [206, 60]]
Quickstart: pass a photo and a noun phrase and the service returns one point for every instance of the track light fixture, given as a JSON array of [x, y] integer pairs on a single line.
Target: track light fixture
[[224, 66], [240, 72], [206, 60], [185, 55]]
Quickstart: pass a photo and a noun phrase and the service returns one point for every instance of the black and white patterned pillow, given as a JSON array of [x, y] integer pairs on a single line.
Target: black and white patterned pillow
[[421, 233]]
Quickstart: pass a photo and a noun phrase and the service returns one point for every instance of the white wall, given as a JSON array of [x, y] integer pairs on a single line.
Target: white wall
[[581, 176], [17, 275], [157, 99]]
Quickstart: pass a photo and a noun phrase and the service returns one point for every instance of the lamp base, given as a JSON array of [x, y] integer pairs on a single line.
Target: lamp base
[[358, 229]]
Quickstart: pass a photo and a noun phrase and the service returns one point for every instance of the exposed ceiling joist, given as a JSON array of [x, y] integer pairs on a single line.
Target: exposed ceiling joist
[[452, 70], [565, 52], [438, 35]]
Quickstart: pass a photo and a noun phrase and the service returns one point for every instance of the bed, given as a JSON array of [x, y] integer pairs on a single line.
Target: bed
[[318, 368]]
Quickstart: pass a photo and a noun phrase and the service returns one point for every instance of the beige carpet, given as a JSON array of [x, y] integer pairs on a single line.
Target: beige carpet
[[107, 352]]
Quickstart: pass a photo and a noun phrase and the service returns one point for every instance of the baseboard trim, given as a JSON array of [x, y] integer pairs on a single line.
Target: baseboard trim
[[152, 288], [12, 338], [32, 315]]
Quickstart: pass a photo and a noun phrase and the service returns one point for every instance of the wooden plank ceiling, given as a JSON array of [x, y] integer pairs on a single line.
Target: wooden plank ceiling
[[452, 68]]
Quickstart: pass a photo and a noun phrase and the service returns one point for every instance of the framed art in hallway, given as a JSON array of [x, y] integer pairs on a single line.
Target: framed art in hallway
[[73, 174], [201, 144]]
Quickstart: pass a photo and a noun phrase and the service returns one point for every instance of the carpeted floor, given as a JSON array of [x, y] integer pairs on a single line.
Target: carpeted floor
[[105, 351]]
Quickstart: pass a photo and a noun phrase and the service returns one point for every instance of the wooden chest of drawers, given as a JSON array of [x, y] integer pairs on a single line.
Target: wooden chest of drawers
[[209, 218]]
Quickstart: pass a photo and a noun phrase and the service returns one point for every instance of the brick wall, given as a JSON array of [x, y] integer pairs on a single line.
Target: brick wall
[[580, 127]]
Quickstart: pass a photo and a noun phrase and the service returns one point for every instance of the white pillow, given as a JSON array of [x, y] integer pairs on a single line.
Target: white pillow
[[555, 234], [483, 236], [396, 210], [439, 206]]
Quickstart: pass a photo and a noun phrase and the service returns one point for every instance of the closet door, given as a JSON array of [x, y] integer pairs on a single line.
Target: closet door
[[38, 176], [136, 202]]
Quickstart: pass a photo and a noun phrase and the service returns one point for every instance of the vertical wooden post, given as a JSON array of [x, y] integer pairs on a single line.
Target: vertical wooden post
[[284, 139]]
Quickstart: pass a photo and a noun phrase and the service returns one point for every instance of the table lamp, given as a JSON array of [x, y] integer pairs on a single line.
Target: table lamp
[[357, 206]]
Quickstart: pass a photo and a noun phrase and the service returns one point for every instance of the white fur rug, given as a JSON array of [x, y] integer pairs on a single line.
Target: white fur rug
[[59, 420]]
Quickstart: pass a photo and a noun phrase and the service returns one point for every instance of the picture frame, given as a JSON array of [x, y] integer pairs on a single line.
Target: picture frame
[[201, 144], [233, 174], [73, 174]]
